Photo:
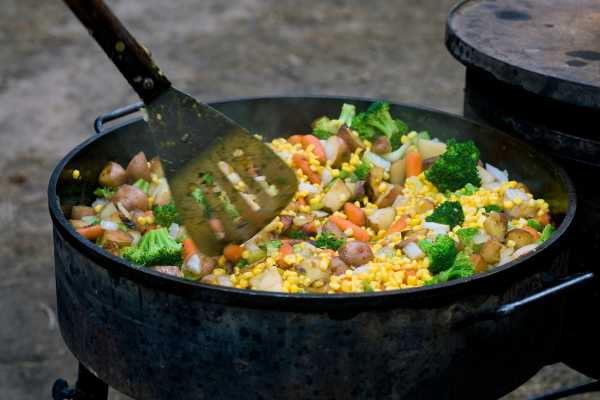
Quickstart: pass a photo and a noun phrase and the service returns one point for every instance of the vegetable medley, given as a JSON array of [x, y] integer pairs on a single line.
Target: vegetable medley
[[379, 207]]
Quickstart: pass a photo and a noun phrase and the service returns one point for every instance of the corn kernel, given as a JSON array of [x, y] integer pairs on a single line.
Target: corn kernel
[[141, 220], [98, 208], [76, 174]]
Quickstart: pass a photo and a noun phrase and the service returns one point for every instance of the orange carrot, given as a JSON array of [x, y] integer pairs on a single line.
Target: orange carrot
[[233, 252], [318, 149], [284, 250], [189, 248], [355, 214], [536, 235], [544, 219], [357, 232], [295, 139], [91, 232], [414, 164], [397, 226], [301, 162], [217, 227], [310, 228]]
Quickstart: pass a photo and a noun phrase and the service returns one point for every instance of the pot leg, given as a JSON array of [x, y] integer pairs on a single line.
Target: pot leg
[[564, 393], [89, 387]]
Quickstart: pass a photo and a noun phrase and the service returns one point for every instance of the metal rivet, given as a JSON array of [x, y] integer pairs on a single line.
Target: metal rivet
[[148, 84]]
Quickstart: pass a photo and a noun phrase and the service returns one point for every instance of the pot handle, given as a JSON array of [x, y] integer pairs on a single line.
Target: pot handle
[[560, 288], [116, 114]]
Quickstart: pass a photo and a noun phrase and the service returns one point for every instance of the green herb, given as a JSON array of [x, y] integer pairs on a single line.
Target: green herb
[[448, 213], [493, 207], [301, 235], [242, 263], [367, 286], [166, 215], [547, 233], [326, 240], [362, 171], [344, 174], [105, 192], [143, 185], [207, 179], [535, 225]]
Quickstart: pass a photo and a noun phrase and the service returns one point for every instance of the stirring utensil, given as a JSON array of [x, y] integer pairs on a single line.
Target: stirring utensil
[[227, 184]]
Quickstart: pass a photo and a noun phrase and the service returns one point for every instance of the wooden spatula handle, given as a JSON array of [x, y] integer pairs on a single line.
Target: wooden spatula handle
[[132, 59]]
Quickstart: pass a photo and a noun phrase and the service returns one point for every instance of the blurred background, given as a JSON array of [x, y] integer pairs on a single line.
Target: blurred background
[[54, 81]]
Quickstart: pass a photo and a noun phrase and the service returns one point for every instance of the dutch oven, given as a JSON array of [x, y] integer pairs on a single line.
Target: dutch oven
[[153, 336]]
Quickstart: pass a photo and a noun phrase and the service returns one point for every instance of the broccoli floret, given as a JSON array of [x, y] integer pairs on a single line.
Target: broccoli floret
[[547, 233], [377, 121], [466, 235], [326, 240], [105, 192], [301, 235], [468, 190], [325, 127], [441, 253], [347, 113], [456, 167], [157, 247], [362, 171], [166, 215], [448, 213], [493, 207], [461, 268], [143, 185], [535, 225]]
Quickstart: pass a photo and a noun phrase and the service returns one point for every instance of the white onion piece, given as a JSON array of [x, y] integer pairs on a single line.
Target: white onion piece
[[108, 211], [362, 269], [193, 264], [524, 250], [416, 182], [397, 154], [174, 230], [320, 214], [413, 251], [501, 176], [485, 176], [326, 177], [440, 229], [224, 280], [377, 160], [400, 200], [109, 225], [480, 237], [100, 202], [269, 280], [330, 148], [284, 155], [505, 255], [135, 237], [123, 210], [385, 252], [492, 185], [307, 187], [513, 194]]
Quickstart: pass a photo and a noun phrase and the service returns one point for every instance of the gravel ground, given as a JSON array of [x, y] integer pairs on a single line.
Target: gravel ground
[[54, 81]]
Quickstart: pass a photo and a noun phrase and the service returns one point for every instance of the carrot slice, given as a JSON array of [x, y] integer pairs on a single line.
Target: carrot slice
[[284, 250], [318, 149], [414, 164], [310, 228], [233, 252], [357, 232], [189, 248], [355, 214], [91, 232], [397, 226], [544, 219], [536, 235], [295, 139], [299, 161]]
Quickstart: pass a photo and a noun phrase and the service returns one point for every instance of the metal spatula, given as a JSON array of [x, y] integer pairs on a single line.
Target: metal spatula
[[227, 184]]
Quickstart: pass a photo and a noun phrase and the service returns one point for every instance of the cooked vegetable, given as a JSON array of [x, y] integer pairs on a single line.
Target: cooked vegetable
[[478, 263], [448, 213], [355, 214], [430, 149], [233, 252], [382, 218], [382, 145], [157, 247], [373, 183], [336, 150], [301, 162], [105, 192], [493, 207], [397, 226], [546, 233], [348, 112], [456, 167], [138, 168], [461, 268], [496, 225], [441, 253], [351, 139], [356, 231], [361, 172], [131, 198], [337, 195], [377, 121], [466, 236], [166, 215], [143, 185], [92, 232], [356, 253], [78, 212], [414, 164], [326, 240], [521, 237], [535, 225], [388, 197], [112, 175], [398, 172], [338, 266], [490, 251], [312, 142]]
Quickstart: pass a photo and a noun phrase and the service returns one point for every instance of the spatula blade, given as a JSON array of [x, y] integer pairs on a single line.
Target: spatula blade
[[191, 139]]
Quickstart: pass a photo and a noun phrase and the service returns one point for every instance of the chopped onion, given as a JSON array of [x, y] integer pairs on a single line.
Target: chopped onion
[[413, 251], [397, 154], [480, 237], [326, 177], [224, 280], [307, 187], [284, 155], [362, 269], [492, 185], [416, 182], [109, 225], [485, 176], [513, 194], [505, 255], [301, 220], [377, 160], [501, 176], [320, 214], [174, 230], [100, 202], [269, 280], [524, 250], [385, 252], [439, 229], [123, 210], [193, 264], [108, 211], [400, 200]]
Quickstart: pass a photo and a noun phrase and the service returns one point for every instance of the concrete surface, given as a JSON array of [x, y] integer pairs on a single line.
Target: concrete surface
[[54, 81]]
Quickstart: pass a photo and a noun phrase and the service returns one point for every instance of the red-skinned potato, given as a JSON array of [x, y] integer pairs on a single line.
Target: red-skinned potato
[[82, 211], [112, 175], [381, 145], [338, 267], [490, 251], [156, 167], [138, 168], [131, 198], [336, 151], [387, 198], [356, 253], [478, 263], [350, 138]]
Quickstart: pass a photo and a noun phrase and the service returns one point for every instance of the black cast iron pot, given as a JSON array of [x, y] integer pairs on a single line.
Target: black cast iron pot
[[152, 336]]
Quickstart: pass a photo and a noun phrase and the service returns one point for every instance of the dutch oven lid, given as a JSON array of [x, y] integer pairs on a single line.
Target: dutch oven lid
[[548, 47]]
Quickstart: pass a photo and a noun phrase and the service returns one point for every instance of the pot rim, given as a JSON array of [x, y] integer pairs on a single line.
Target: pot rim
[[118, 267]]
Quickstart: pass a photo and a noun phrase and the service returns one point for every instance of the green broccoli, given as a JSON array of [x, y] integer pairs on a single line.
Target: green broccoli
[[466, 235], [347, 113], [166, 215], [377, 121], [468, 190], [105, 192], [461, 268], [143, 185], [547, 233], [326, 240], [362, 171], [301, 235], [325, 127], [157, 247], [455, 168], [493, 207], [448, 213], [441, 253]]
